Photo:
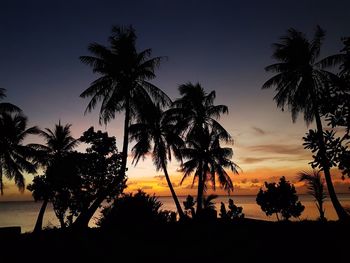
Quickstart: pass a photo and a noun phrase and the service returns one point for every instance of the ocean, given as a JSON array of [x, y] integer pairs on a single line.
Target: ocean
[[24, 213]]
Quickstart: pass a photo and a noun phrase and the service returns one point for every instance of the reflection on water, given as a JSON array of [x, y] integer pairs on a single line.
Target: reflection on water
[[24, 214]]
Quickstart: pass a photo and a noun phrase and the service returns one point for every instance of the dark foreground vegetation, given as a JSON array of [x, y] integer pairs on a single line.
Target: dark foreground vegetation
[[244, 240]]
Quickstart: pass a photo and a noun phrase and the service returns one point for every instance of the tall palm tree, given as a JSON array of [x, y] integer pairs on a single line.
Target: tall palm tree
[[15, 157], [302, 87], [5, 106], [58, 142], [206, 160], [123, 84], [315, 185], [155, 132]]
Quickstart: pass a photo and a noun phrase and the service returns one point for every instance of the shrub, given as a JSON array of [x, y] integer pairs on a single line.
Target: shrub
[[134, 209]]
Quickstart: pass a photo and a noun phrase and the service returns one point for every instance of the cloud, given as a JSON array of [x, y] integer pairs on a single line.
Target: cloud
[[146, 187], [159, 177], [291, 149], [259, 131], [255, 181], [251, 160], [165, 184], [244, 181]]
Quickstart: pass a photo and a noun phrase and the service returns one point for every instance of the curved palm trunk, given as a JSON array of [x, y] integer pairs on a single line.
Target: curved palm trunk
[[39, 220], [82, 221], [342, 214], [173, 194]]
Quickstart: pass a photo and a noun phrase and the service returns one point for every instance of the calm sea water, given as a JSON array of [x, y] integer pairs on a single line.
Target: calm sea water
[[24, 214]]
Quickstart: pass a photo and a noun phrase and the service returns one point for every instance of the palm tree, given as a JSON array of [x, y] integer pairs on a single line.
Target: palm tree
[[315, 185], [302, 86], [195, 111], [123, 85], [154, 131], [15, 158], [5, 106], [206, 160], [58, 142], [208, 202]]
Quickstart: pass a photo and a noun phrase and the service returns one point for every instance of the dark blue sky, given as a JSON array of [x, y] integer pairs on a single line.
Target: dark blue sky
[[222, 44]]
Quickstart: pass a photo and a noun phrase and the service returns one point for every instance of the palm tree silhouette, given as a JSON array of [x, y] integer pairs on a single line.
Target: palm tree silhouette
[[195, 111], [315, 185], [154, 131], [123, 85], [206, 160], [15, 158], [58, 142], [194, 115], [302, 87], [6, 106]]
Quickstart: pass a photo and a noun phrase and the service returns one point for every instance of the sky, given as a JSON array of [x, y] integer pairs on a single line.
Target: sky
[[223, 45]]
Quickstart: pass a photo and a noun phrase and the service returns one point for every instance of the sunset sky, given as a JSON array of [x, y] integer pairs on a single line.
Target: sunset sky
[[224, 45]]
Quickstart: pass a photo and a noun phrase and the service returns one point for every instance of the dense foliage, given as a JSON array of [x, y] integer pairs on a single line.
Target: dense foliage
[[134, 209], [72, 182], [280, 199]]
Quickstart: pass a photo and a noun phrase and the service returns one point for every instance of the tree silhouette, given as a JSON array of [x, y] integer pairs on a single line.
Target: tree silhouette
[[195, 112], [303, 87], [58, 143], [123, 85], [280, 199], [315, 185], [155, 132], [337, 110], [101, 176], [77, 183], [194, 115], [206, 160], [15, 158], [6, 106]]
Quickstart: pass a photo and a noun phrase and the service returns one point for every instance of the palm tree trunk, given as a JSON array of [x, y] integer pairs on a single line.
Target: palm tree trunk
[[278, 219], [321, 210], [63, 224], [1, 183], [126, 136], [342, 214], [173, 194], [200, 191], [39, 220]]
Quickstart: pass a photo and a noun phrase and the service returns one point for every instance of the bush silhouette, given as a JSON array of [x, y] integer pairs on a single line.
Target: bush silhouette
[[135, 209], [280, 199], [234, 211]]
